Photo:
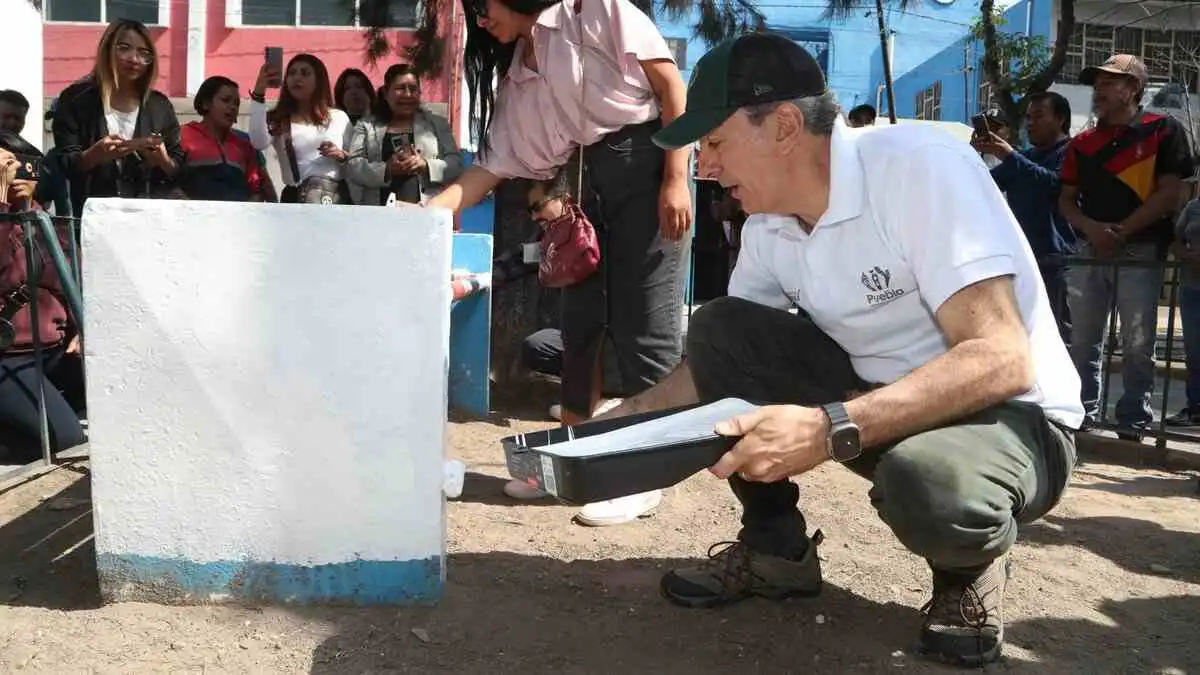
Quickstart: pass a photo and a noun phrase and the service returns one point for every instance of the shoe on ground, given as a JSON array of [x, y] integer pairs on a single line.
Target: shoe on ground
[[619, 511], [518, 489], [556, 412], [734, 572], [1188, 417], [964, 621]]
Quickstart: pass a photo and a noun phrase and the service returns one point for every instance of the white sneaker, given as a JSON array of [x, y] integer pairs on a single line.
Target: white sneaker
[[519, 489], [620, 510], [556, 412]]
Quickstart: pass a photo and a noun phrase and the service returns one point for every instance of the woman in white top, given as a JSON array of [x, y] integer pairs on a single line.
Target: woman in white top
[[309, 135]]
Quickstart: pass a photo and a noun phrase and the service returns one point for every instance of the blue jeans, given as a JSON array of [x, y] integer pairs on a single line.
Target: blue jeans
[[1089, 297], [1189, 315]]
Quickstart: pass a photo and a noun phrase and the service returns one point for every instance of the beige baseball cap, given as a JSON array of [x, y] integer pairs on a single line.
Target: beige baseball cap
[[1117, 64]]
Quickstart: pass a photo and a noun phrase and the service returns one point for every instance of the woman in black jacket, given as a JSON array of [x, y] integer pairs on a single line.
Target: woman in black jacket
[[117, 136]]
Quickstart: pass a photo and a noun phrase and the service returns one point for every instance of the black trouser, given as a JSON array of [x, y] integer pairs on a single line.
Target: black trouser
[[953, 495], [636, 297], [19, 426], [1054, 276]]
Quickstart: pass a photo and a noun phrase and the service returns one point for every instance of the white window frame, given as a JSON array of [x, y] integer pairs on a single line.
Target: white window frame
[[164, 15], [233, 19]]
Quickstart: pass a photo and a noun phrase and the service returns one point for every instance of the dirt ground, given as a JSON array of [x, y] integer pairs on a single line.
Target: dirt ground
[[1108, 583]]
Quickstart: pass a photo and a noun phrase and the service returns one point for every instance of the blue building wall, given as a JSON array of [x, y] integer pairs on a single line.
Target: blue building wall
[[850, 49], [956, 66]]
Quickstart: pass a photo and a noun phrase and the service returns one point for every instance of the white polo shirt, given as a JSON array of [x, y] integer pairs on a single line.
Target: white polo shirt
[[914, 217]]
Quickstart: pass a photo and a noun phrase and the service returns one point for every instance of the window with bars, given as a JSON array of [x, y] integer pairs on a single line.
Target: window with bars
[[1169, 55], [985, 97], [316, 13], [103, 11], [928, 103]]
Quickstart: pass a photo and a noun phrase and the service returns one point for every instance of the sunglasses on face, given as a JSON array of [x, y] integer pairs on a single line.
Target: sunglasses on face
[[126, 50]]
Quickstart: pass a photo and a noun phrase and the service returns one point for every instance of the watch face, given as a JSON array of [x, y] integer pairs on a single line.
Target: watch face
[[845, 444]]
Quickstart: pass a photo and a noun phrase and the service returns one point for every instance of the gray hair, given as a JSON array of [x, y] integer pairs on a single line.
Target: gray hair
[[820, 112]]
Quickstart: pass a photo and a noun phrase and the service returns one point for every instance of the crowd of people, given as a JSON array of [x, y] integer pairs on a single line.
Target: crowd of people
[[908, 313]]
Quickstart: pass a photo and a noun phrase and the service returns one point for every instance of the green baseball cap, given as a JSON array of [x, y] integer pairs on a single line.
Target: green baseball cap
[[742, 71]]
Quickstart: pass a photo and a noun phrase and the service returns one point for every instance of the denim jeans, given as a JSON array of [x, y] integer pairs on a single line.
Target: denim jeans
[[1189, 315], [1089, 297]]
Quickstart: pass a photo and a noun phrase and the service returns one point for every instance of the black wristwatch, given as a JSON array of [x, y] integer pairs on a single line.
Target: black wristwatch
[[844, 441]]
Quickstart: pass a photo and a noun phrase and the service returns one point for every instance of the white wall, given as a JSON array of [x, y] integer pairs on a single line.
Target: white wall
[[266, 386], [21, 35]]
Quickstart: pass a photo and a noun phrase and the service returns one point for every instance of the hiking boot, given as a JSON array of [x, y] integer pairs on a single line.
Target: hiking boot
[[734, 572], [964, 621]]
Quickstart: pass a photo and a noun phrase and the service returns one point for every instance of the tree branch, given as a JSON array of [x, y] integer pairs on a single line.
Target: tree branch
[[1044, 78]]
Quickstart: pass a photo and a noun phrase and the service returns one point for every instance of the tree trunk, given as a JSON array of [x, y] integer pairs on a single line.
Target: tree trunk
[[887, 62]]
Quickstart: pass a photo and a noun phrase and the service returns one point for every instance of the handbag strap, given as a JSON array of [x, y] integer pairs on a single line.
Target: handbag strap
[[290, 151], [582, 96]]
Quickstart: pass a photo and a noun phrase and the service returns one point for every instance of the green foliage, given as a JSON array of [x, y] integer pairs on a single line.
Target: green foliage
[[1020, 57]]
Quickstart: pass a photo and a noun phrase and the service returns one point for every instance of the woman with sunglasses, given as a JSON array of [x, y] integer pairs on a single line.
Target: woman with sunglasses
[[592, 78], [116, 135], [405, 152]]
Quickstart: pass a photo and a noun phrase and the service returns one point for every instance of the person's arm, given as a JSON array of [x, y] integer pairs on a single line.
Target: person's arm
[[174, 156], [988, 362], [675, 198], [470, 189], [1020, 172], [258, 129], [448, 165], [1100, 235], [359, 169], [1172, 164]]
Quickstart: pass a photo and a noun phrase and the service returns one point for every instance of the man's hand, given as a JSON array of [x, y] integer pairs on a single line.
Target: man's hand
[[674, 208], [8, 173], [777, 441], [991, 144], [1105, 239]]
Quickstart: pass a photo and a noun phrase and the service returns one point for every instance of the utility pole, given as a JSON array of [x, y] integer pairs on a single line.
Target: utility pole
[[887, 61]]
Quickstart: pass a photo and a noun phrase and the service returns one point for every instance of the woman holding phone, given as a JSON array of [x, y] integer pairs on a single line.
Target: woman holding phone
[[564, 83], [405, 153], [308, 133], [115, 134]]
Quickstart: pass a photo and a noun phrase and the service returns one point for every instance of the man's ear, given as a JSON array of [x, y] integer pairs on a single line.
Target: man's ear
[[789, 124]]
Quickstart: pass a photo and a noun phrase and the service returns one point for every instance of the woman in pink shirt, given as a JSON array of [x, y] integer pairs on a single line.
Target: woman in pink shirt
[[590, 76]]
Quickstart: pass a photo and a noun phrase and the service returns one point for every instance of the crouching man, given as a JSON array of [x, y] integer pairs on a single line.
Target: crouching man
[[925, 356]]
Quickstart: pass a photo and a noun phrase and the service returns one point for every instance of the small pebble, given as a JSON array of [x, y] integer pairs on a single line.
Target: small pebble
[[422, 634], [820, 619]]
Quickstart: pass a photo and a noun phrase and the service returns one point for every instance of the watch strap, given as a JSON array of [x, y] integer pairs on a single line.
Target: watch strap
[[837, 414]]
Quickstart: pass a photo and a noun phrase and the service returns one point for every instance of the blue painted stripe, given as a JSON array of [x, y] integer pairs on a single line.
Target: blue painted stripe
[[136, 578]]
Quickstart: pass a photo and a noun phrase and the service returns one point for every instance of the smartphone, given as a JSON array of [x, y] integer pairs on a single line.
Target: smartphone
[[982, 128], [400, 143], [274, 60]]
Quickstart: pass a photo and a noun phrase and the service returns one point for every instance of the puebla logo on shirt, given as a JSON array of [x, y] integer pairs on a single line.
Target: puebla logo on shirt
[[878, 281]]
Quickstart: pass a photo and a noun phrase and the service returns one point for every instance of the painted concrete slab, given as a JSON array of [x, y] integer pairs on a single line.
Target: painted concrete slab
[[267, 400]]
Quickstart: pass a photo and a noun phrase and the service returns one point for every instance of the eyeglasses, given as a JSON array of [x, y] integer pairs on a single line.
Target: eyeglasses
[[408, 88], [140, 54]]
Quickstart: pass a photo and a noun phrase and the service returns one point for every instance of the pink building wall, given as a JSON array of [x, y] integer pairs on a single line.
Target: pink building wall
[[234, 52]]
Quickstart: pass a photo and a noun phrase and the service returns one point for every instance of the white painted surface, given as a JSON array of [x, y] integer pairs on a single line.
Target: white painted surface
[[197, 44], [266, 382], [21, 35]]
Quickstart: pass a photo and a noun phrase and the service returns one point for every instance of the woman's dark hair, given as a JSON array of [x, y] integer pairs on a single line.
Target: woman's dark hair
[[485, 58], [322, 97], [208, 91], [381, 110], [339, 88]]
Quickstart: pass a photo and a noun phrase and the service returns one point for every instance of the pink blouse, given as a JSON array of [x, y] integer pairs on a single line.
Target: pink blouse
[[541, 116]]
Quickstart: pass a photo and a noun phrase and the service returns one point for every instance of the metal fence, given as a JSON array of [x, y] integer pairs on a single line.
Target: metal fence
[[40, 233], [1164, 344], [41, 240]]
